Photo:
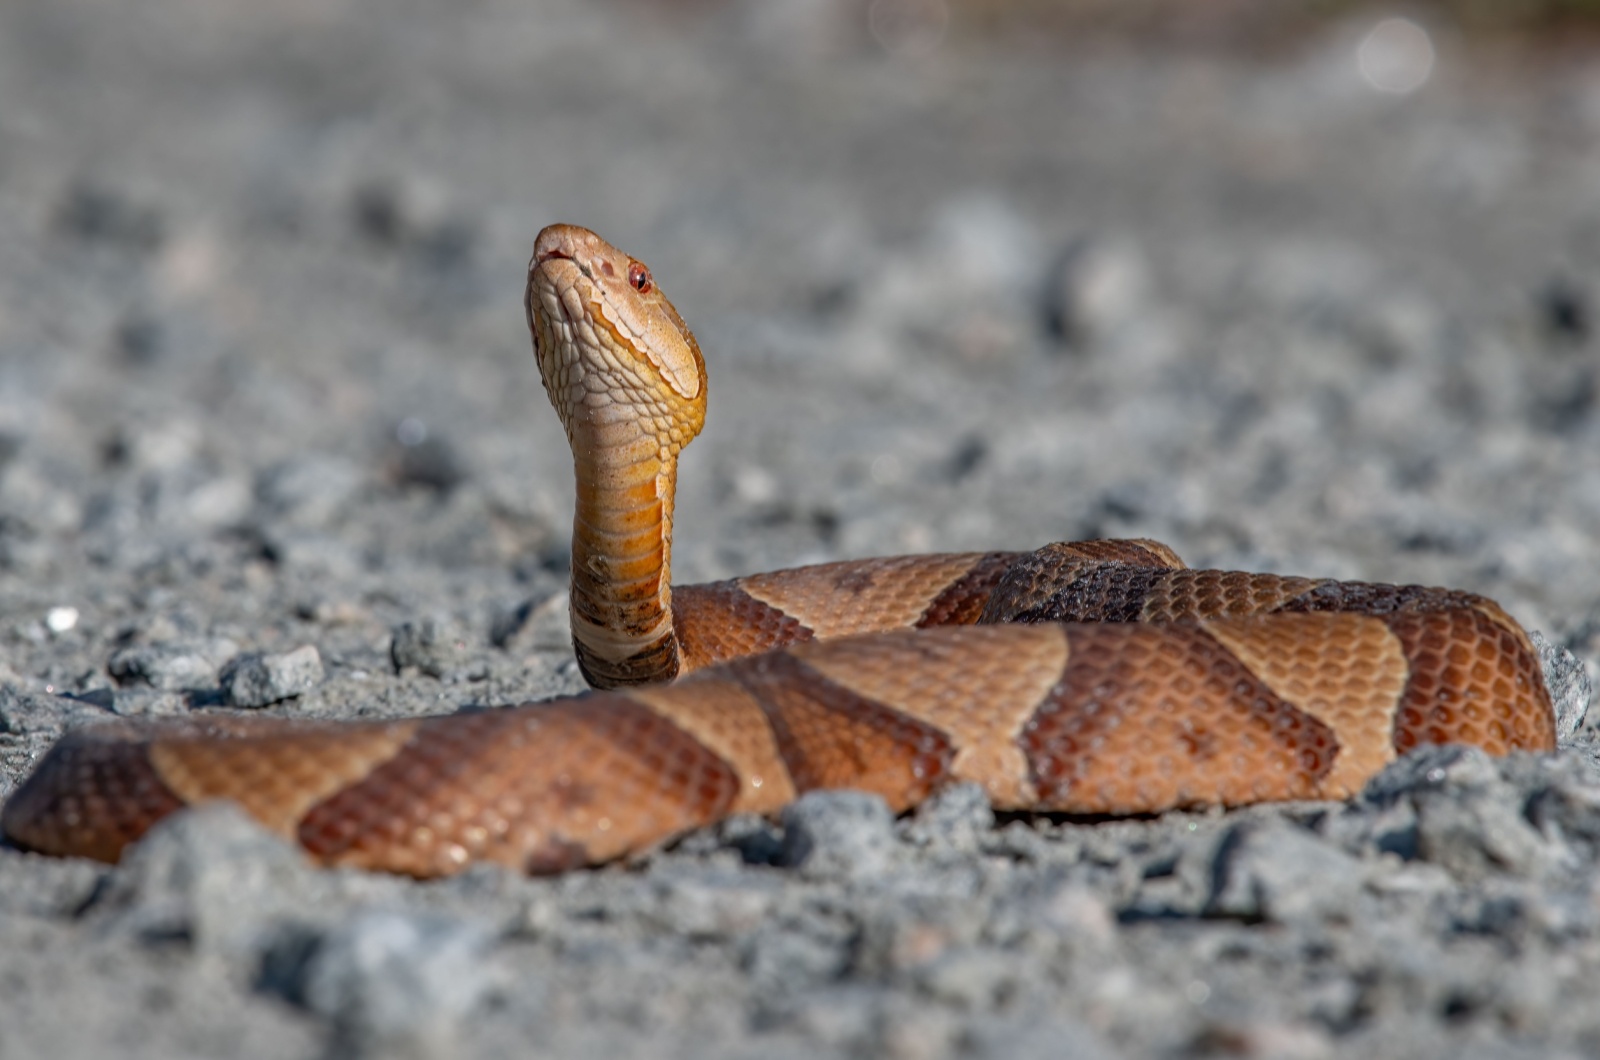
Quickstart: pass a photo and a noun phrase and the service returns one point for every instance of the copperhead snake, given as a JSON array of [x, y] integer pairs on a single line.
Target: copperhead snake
[[1095, 677]]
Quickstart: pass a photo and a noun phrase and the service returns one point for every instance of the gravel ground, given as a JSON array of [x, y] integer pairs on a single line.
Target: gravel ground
[[271, 438]]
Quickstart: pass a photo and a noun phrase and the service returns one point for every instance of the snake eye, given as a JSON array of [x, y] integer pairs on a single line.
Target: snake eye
[[639, 277]]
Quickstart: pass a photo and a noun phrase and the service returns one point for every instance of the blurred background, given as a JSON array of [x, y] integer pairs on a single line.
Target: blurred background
[[1304, 287]]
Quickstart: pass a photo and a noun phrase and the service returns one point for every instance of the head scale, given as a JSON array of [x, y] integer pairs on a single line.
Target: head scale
[[606, 335]]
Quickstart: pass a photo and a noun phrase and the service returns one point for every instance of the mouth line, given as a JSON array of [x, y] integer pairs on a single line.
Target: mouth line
[[555, 254]]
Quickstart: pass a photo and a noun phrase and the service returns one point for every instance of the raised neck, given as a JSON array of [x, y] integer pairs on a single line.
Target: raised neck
[[628, 381]]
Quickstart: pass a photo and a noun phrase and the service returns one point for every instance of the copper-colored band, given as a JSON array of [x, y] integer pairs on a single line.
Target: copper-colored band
[[964, 600], [861, 596], [830, 737], [1150, 717], [1471, 681], [93, 795], [277, 776], [536, 788], [720, 621]]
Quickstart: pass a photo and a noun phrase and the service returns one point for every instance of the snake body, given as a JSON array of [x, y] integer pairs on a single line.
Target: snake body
[[1094, 677]]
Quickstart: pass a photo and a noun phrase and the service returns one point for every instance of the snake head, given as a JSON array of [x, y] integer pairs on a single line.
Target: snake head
[[606, 337]]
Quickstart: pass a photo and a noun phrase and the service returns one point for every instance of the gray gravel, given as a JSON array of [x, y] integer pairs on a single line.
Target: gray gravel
[[257, 679], [271, 436]]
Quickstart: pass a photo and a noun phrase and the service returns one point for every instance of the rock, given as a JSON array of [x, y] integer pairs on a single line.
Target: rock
[[534, 624], [309, 490], [256, 680], [969, 977], [896, 938], [32, 885], [95, 213], [709, 908], [1429, 768], [148, 702], [1568, 681], [966, 291], [168, 666], [508, 621], [1564, 310], [983, 241], [311, 552], [754, 837], [1474, 833], [1469, 818], [837, 834], [168, 444], [1570, 809], [953, 821], [210, 876], [798, 946], [1098, 287], [1047, 1034], [1179, 880], [1077, 913], [22, 713], [422, 458], [1274, 870], [436, 646], [213, 502], [395, 984]]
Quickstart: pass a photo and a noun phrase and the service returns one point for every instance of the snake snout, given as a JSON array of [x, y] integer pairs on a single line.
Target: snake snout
[[562, 242]]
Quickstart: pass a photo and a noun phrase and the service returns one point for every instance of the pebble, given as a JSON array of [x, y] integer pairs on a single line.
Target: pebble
[[168, 666], [47, 887], [256, 680], [100, 213], [396, 984], [436, 646], [534, 624], [1280, 872], [1100, 285], [308, 490], [1569, 809], [973, 978], [1472, 834], [837, 835], [953, 823], [1564, 310], [1041, 1034], [1468, 816], [1568, 681], [148, 702], [25, 713], [311, 552], [838, 1019], [709, 908], [798, 945], [209, 876], [426, 460]]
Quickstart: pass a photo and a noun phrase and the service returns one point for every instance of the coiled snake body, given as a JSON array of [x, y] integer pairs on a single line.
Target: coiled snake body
[[1098, 677]]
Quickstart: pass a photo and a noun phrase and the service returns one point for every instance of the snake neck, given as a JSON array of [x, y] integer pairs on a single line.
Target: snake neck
[[621, 602], [629, 383]]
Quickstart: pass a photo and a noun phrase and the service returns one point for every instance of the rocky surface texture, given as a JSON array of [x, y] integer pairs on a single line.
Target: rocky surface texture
[[271, 439]]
